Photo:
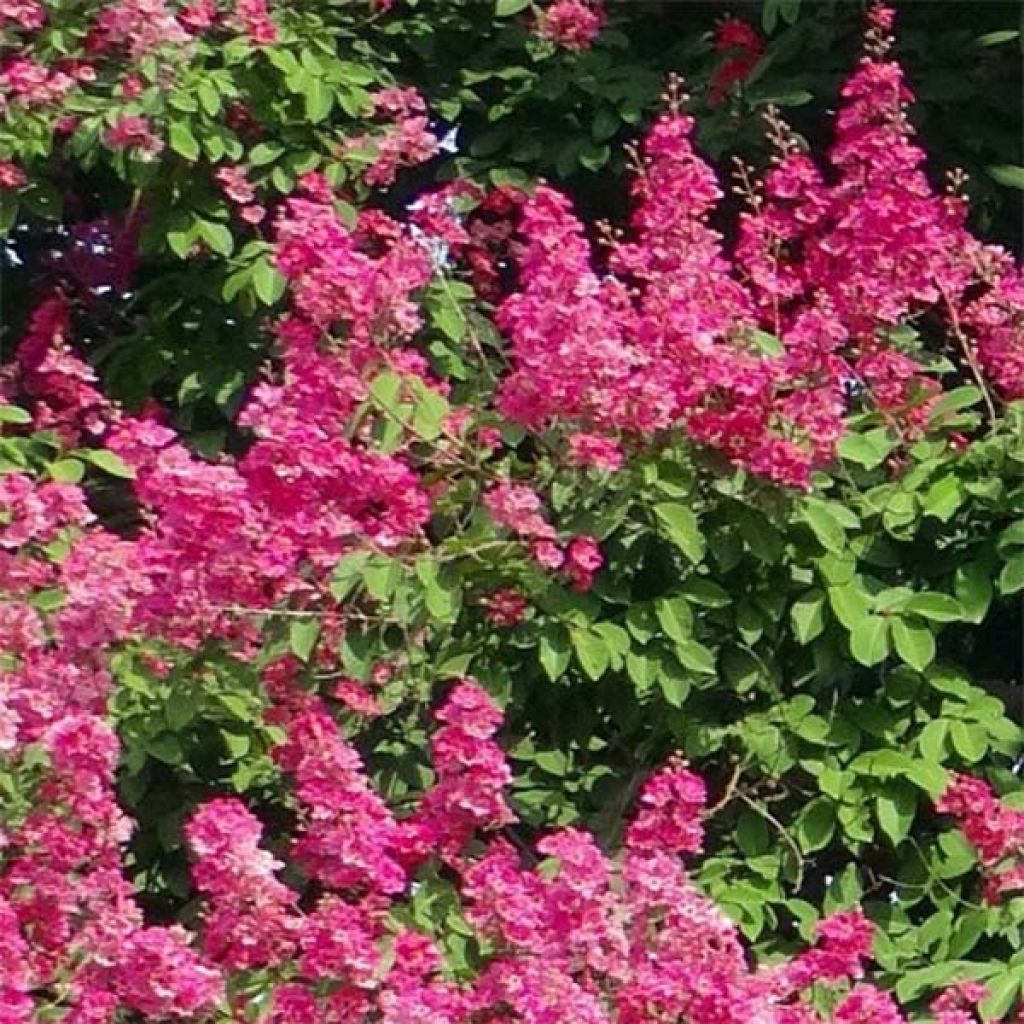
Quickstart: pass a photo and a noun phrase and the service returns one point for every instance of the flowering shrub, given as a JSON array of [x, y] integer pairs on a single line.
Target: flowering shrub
[[368, 712]]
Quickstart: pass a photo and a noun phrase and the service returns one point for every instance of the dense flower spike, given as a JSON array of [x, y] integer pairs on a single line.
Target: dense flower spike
[[797, 333]]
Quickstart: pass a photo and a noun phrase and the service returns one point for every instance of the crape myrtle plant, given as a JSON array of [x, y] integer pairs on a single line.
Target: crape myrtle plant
[[539, 556]]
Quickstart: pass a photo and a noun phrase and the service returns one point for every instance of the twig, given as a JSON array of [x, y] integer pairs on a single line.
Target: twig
[[781, 829], [728, 793]]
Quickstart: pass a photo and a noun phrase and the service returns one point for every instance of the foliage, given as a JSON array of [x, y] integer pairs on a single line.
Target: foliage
[[758, 501]]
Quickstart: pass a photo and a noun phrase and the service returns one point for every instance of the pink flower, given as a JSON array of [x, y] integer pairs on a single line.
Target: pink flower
[[11, 176], [131, 87], [548, 554], [593, 450], [159, 975], [743, 48], [671, 803], [582, 560], [198, 16], [131, 131], [572, 24], [234, 184], [517, 508], [505, 607], [27, 15], [252, 18], [356, 697]]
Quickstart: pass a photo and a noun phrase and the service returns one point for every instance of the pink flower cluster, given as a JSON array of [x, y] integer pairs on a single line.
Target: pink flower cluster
[[755, 355], [133, 132], [627, 941], [993, 829], [25, 82], [252, 18], [11, 176], [798, 329], [517, 508], [27, 15], [405, 141], [571, 24], [70, 924], [138, 27], [742, 47], [240, 191]]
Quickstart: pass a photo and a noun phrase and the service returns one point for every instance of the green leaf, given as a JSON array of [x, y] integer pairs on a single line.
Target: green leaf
[[1012, 536], [674, 685], [554, 762], [850, 603], [268, 282], [442, 588], [209, 98], [642, 668], [217, 236], [1002, 991], [914, 643], [970, 740], [675, 617], [867, 450], [996, 38], [695, 656], [319, 99], [447, 314], [935, 606], [13, 414], [815, 825], [931, 778], [682, 529], [591, 652], [167, 748], [302, 637], [348, 573], [1011, 175], [265, 153], [381, 577], [108, 462], [932, 741], [237, 744], [896, 809], [972, 585], [180, 710], [183, 141], [68, 471], [705, 592], [1011, 578], [430, 412], [752, 835], [760, 536], [943, 498], [869, 640], [506, 8], [553, 650], [385, 389], [827, 529], [808, 616], [953, 401]]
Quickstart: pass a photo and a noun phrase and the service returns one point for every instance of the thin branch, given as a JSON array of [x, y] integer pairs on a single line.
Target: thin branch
[[781, 829], [728, 793]]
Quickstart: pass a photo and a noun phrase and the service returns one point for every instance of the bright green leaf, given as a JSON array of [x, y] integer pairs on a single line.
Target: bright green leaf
[[682, 529], [935, 606], [302, 637], [914, 643], [869, 640]]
